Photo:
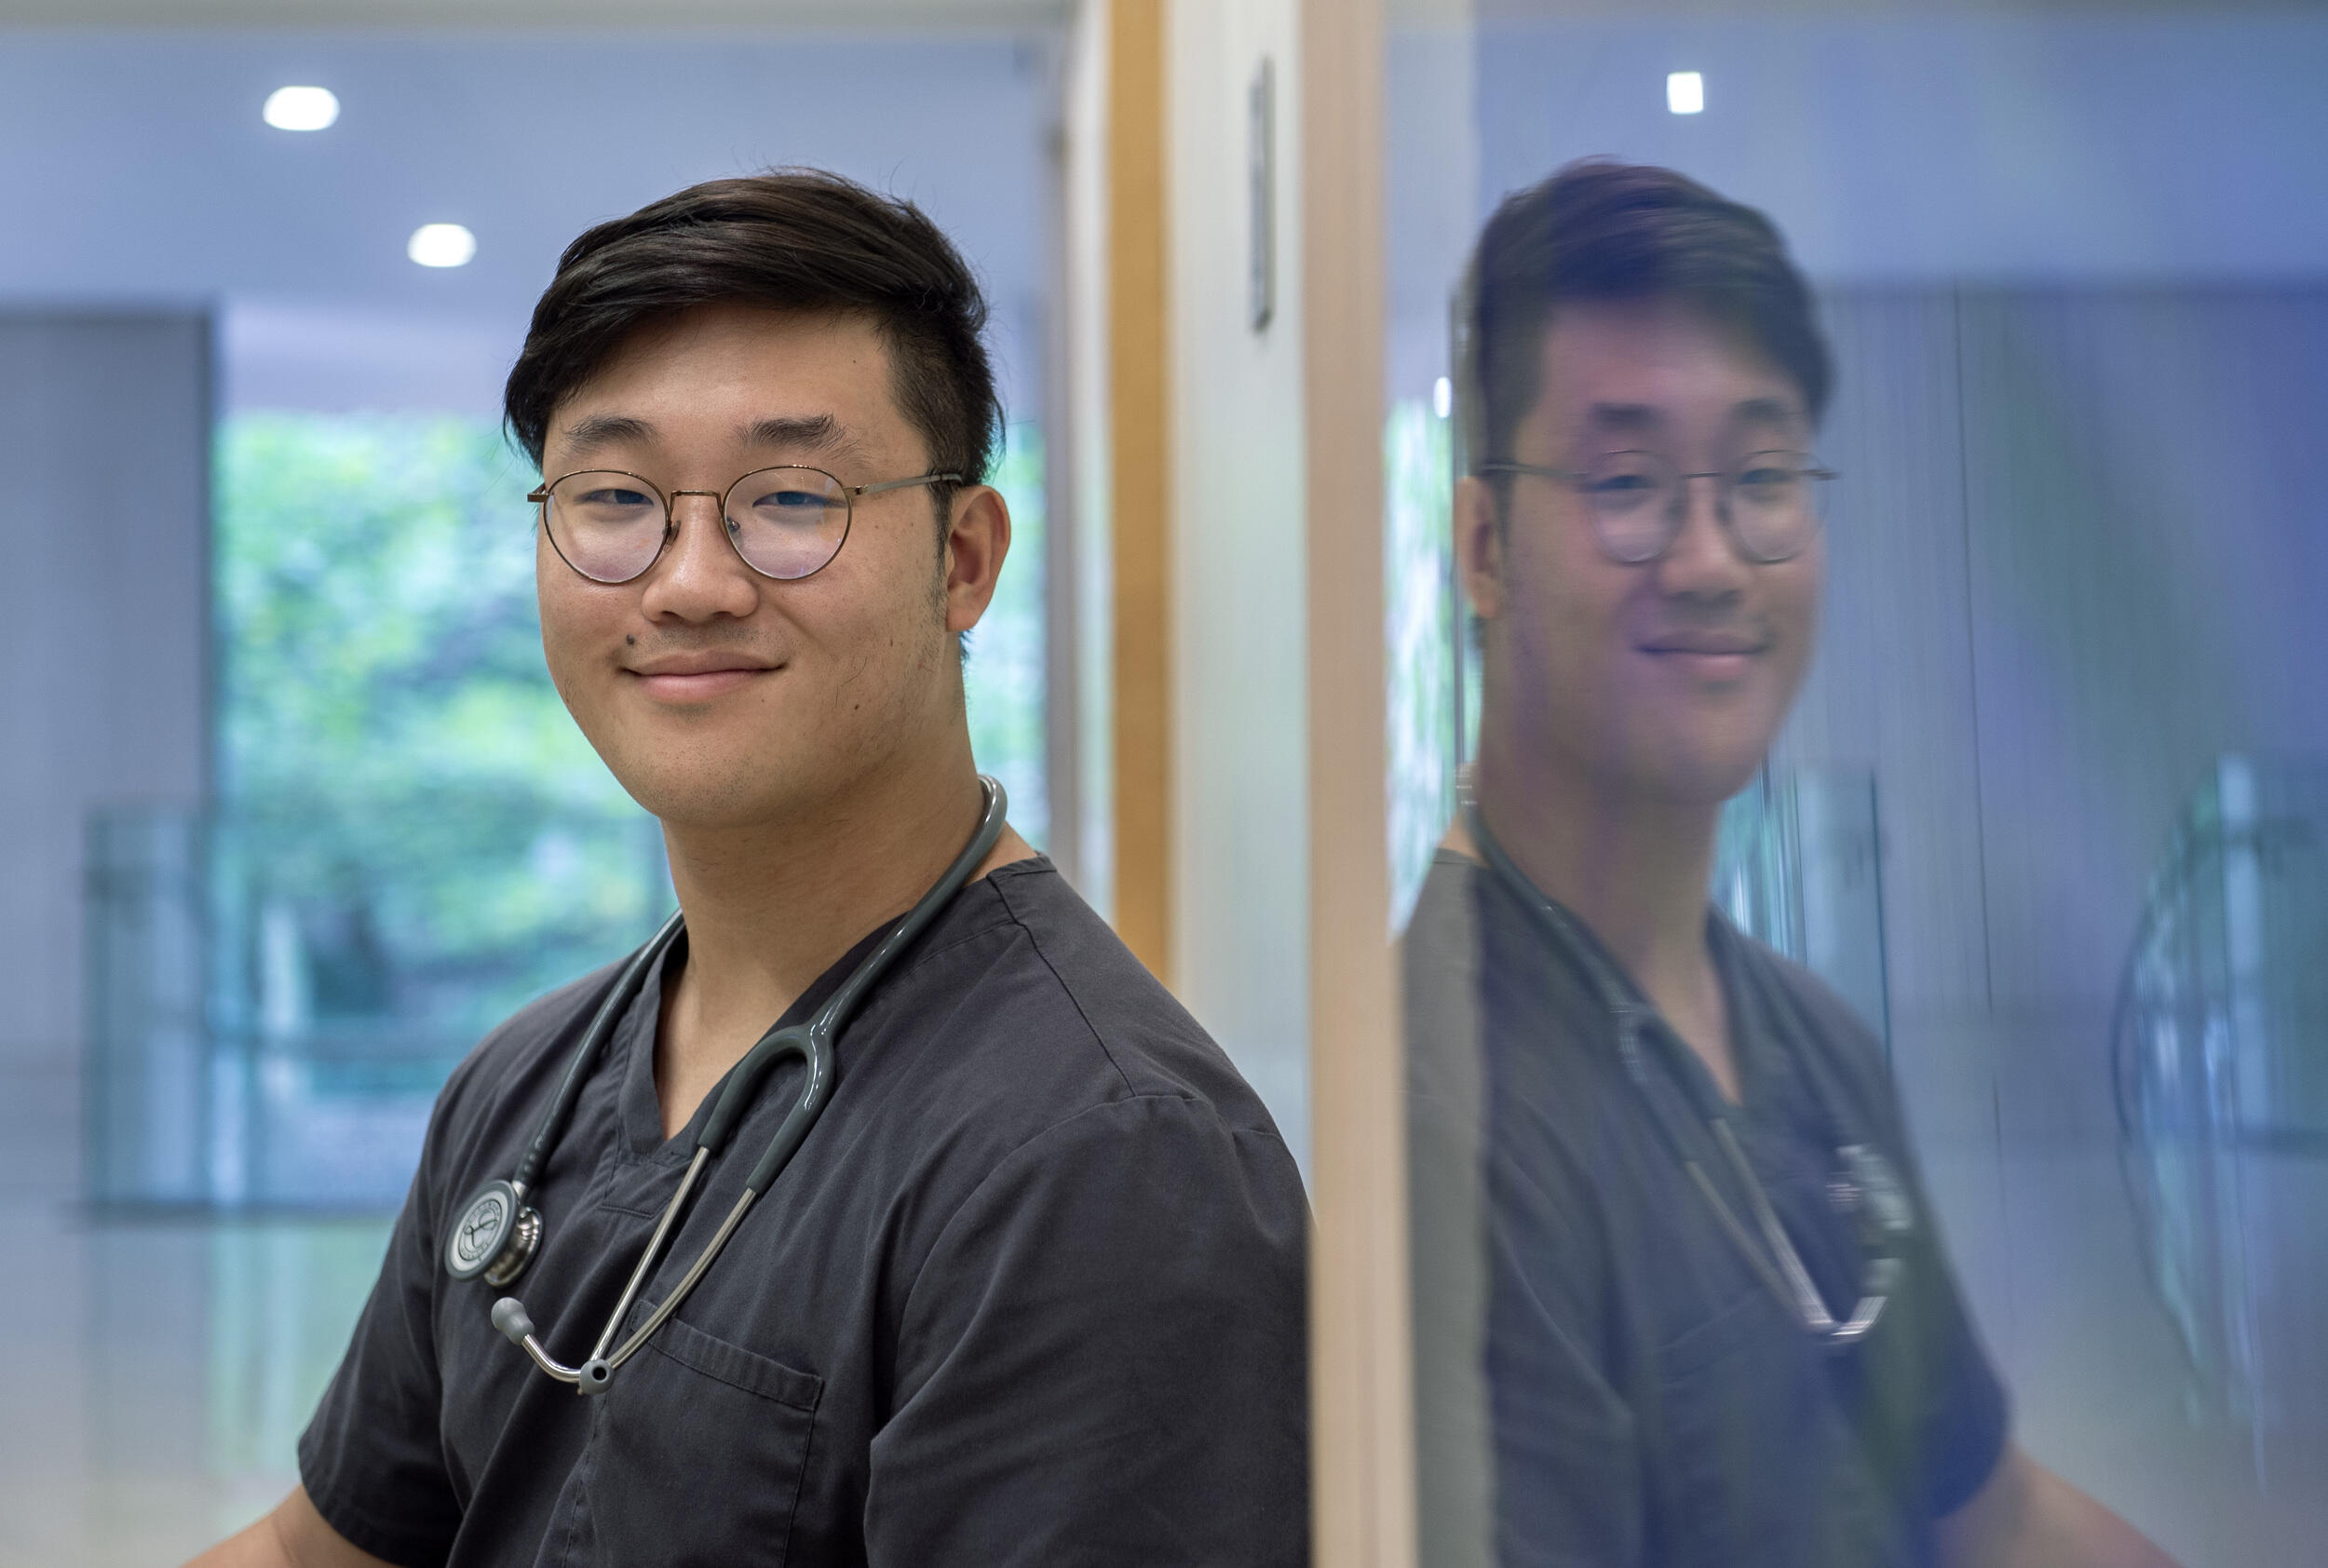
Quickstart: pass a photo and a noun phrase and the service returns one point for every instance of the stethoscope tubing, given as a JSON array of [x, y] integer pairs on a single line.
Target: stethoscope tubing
[[629, 982], [812, 1043], [1786, 1278]]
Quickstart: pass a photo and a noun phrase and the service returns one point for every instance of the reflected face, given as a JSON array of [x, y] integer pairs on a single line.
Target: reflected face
[[719, 696], [1666, 679]]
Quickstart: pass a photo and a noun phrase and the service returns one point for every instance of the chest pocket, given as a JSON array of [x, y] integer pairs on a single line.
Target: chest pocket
[[1757, 1458], [696, 1459]]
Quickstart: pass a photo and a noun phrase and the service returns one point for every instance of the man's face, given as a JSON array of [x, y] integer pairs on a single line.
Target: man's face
[[719, 696], [1666, 679]]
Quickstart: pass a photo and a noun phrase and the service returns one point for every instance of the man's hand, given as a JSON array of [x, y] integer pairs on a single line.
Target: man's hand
[[294, 1536], [2027, 1517]]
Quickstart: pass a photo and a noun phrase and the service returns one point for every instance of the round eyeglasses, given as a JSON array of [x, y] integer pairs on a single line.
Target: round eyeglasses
[[785, 523], [1769, 502]]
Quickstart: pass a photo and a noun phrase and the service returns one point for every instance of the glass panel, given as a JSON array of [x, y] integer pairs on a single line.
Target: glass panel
[[2043, 817]]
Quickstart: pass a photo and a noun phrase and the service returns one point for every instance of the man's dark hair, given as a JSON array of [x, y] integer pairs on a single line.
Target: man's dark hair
[[1603, 231], [788, 239]]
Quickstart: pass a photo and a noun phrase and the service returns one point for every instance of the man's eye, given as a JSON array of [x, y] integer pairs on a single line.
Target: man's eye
[[793, 508], [610, 498], [1767, 478], [1622, 484]]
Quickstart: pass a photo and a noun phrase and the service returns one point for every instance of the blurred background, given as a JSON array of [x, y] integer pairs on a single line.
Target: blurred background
[[292, 814]]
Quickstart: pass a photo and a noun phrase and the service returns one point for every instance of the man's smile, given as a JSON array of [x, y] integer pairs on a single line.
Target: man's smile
[[1714, 656], [697, 675]]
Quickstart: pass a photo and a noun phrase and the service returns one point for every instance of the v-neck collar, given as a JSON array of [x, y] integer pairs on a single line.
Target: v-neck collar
[[1573, 937], [641, 1108]]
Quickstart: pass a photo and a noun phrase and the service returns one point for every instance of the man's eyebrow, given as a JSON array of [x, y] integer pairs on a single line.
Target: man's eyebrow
[[819, 434], [1766, 410], [1622, 418], [606, 429]]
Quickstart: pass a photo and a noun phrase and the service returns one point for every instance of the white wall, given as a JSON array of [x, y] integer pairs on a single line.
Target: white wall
[[105, 651], [1241, 871]]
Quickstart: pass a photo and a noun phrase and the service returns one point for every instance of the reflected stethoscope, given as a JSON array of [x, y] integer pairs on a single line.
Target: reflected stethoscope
[[1866, 1186], [499, 1232]]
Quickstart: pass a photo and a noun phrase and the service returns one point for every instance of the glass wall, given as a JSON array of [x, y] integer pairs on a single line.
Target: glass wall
[[2040, 817]]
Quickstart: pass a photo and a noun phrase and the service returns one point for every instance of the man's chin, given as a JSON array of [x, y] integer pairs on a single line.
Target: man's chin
[[1699, 778], [694, 798]]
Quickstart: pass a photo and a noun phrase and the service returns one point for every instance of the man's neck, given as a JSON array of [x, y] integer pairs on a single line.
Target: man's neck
[[773, 904], [1634, 868]]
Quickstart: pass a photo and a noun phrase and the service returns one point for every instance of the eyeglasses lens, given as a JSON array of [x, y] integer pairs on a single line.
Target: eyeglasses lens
[[788, 522], [1774, 503], [608, 526], [1637, 504], [1632, 496]]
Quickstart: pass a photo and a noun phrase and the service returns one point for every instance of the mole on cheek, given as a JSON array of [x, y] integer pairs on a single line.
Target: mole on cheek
[[629, 641]]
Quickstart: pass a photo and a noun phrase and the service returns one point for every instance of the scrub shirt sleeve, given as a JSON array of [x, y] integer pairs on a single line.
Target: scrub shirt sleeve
[[1957, 1420], [1964, 1422], [1103, 1358], [372, 1458]]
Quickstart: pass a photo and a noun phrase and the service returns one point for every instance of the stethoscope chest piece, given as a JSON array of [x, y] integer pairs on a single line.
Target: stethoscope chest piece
[[496, 1235]]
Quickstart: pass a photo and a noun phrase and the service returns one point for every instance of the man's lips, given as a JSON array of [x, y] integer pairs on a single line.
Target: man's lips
[[698, 677], [1709, 657]]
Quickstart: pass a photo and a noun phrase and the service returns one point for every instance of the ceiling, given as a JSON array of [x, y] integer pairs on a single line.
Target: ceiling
[[138, 173], [501, 15]]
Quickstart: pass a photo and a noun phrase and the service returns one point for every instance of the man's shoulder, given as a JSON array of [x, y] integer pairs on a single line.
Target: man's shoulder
[[1075, 1003], [1818, 1018], [1039, 1057]]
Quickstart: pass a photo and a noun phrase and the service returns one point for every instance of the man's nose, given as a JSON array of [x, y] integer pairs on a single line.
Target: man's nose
[[700, 575], [1703, 558]]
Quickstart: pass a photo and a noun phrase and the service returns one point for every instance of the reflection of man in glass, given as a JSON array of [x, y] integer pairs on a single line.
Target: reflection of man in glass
[[1680, 1299]]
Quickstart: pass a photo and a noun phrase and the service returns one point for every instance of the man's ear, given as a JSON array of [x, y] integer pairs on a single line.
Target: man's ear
[[978, 537], [1478, 542]]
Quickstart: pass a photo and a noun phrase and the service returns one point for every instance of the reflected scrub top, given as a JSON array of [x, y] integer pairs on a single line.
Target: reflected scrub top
[[1602, 1377], [1031, 1292]]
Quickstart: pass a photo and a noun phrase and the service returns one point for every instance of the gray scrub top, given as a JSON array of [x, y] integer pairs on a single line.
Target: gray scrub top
[[1602, 1377], [1030, 1293]]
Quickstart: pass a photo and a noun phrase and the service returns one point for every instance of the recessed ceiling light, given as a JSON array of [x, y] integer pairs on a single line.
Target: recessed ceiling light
[[301, 108], [1442, 396], [441, 245], [1685, 92]]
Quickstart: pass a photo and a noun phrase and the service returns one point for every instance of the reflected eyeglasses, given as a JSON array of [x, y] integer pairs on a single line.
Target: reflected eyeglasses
[[1769, 502]]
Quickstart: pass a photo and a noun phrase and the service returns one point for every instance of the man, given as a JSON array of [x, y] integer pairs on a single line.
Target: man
[[1679, 1297], [1031, 1290]]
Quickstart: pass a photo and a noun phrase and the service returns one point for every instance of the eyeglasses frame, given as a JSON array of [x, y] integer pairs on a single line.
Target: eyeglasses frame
[[1727, 480], [540, 494]]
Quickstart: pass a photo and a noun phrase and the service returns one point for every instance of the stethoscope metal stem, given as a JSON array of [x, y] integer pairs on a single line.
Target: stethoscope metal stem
[[593, 1375], [653, 1252], [687, 1283]]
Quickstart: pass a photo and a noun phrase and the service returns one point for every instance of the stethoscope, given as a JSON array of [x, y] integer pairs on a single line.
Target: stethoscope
[[1867, 1188], [499, 1232]]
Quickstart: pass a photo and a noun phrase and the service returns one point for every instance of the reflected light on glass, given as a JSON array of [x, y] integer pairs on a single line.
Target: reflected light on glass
[[441, 245], [301, 108], [1442, 396], [1685, 92]]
